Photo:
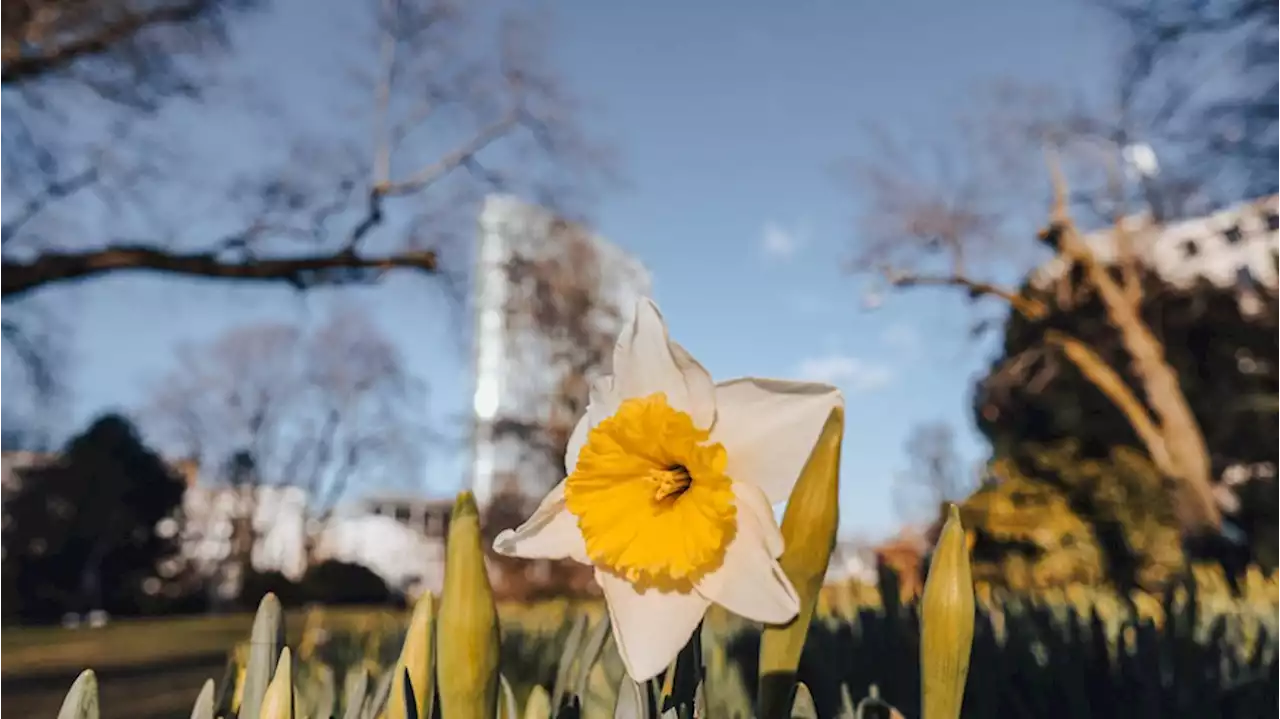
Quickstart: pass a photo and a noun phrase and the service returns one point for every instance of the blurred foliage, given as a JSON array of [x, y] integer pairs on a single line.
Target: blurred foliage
[[1051, 517], [329, 582], [1225, 359], [80, 532]]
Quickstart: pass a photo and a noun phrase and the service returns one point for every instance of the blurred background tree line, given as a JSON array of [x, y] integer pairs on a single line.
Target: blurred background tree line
[[1120, 407]]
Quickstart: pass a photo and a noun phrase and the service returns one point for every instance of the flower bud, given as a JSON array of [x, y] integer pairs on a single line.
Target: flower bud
[[946, 623], [809, 532], [467, 647]]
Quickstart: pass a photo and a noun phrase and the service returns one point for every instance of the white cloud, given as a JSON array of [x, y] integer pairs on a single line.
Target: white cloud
[[849, 372], [779, 242]]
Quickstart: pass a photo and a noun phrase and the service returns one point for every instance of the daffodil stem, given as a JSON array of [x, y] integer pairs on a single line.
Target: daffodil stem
[[681, 684]]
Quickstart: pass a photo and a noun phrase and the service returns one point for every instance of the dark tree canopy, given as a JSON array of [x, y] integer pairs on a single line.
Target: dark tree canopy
[[1055, 517], [82, 532], [1225, 360]]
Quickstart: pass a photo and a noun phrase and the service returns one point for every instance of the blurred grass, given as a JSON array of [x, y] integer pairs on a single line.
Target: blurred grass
[[127, 643], [152, 668]]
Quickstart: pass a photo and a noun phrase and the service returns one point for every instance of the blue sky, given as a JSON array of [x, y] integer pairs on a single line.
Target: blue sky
[[728, 117]]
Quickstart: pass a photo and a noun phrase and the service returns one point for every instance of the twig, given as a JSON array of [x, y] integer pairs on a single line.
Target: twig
[[56, 190], [1023, 305], [451, 161]]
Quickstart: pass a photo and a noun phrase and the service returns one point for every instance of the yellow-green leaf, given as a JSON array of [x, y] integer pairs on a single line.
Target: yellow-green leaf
[[415, 661]]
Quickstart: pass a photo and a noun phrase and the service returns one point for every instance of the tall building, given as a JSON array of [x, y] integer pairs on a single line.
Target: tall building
[[514, 373]]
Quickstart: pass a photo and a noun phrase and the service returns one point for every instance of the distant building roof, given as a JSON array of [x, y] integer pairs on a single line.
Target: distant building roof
[[1222, 248]]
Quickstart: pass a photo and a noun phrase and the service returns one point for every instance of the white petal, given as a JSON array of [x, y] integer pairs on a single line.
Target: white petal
[[550, 533], [769, 427], [603, 400], [576, 441], [750, 583], [646, 361], [751, 498], [651, 627], [602, 403]]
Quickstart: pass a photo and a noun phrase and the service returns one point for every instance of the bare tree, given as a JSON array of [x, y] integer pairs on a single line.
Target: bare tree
[[935, 473], [322, 411], [507, 123], [944, 230], [445, 101]]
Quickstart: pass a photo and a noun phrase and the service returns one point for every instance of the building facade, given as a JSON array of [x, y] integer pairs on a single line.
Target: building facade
[[400, 539], [514, 375], [1236, 246], [264, 524]]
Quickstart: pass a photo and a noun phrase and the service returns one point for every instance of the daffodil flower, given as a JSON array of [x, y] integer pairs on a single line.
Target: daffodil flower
[[670, 490]]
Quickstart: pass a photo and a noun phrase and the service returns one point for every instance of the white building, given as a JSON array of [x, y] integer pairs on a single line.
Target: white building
[[403, 546], [512, 380], [429, 517], [1236, 246], [406, 558], [278, 521]]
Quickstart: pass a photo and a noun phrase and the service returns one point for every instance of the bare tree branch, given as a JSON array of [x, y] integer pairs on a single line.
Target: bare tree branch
[[22, 276], [1109, 382], [53, 191], [510, 125], [40, 39], [32, 356], [455, 159], [1028, 307], [461, 103], [1188, 457]]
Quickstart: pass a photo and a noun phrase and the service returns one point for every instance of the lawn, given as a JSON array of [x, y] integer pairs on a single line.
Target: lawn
[[129, 643], [148, 668], [153, 668]]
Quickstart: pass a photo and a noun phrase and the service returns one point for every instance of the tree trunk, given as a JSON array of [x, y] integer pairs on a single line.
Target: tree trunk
[[1185, 454]]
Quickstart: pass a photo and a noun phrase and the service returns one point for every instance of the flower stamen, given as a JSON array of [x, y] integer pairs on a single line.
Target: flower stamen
[[670, 482]]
